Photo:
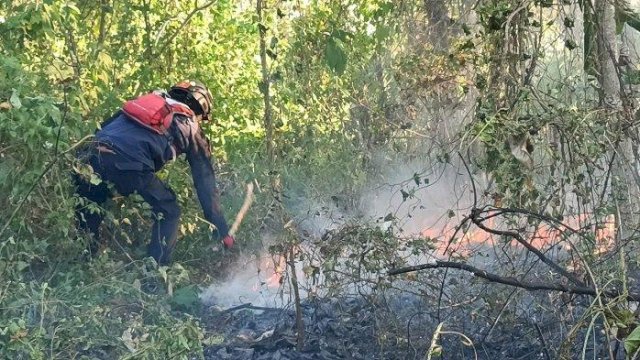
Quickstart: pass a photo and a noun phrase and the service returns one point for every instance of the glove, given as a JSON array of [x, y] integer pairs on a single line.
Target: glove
[[228, 241]]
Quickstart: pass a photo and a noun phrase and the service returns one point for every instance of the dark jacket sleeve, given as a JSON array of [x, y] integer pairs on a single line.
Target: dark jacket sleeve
[[198, 153]]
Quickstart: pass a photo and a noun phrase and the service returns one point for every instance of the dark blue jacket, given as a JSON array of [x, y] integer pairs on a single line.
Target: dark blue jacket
[[144, 150]]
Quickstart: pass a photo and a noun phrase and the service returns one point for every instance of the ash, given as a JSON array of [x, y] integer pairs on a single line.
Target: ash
[[394, 326]]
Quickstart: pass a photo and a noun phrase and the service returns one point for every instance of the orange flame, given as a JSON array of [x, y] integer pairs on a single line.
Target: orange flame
[[544, 236], [274, 270]]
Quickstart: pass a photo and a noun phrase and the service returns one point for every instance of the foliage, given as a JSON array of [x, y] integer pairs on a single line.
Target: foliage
[[109, 308], [352, 84], [66, 65]]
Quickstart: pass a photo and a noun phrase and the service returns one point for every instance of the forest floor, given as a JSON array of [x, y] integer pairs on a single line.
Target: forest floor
[[392, 327]]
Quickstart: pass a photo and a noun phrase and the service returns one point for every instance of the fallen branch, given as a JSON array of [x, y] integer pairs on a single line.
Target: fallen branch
[[248, 306], [511, 281]]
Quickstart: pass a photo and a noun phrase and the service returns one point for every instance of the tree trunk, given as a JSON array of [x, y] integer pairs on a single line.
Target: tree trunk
[[607, 53], [624, 179], [265, 84], [625, 191], [439, 22]]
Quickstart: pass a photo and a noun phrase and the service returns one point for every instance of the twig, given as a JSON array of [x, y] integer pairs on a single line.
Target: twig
[[474, 216], [62, 121], [500, 313], [415, 351], [527, 245], [434, 341], [455, 233], [469, 342], [33, 186], [544, 343], [507, 23], [441, 294], [296, 293], [557, 224], [266, 83], [473, 183]]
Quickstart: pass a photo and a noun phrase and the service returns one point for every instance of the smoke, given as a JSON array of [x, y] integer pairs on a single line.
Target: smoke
[[254, 279], [419, 196], [412, 194], [439, 196]]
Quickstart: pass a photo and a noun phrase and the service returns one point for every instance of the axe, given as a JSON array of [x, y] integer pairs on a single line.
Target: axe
[[248, 199]]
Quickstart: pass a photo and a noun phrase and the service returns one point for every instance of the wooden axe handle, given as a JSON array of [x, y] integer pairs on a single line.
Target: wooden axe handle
[[248, 199]]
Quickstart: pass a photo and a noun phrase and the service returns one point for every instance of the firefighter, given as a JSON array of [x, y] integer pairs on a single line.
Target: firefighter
[[135, 143]]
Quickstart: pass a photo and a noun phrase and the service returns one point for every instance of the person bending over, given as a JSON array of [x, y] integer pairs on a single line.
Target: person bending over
[[135, 143]]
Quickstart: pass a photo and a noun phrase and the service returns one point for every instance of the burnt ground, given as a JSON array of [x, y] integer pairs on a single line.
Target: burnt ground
[[398, 327], [479, 319]]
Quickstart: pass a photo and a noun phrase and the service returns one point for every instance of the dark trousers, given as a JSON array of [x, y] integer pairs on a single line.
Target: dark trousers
[[127, 178]]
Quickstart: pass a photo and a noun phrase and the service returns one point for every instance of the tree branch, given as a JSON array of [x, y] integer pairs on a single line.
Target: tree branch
[[511, 281], [479, 223], [185, 22]]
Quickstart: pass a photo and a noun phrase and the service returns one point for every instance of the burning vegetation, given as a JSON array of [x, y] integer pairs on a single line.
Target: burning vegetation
[[474, 293]]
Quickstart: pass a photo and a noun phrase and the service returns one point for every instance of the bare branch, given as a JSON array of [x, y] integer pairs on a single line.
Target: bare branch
[[512, 234], [511, 281]]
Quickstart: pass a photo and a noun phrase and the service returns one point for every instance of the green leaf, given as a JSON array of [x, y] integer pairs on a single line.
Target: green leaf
[[21, 265], [262, 86], [15, 99], [382, 32], [569, 22], [341, 34], [335, 57], [632, 342], [625, 15], [105, 59], [95, 179]]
